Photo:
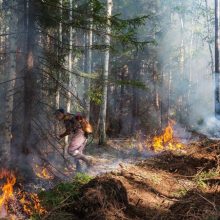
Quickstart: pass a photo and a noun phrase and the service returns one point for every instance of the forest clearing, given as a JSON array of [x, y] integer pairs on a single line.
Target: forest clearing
[[109, 109]]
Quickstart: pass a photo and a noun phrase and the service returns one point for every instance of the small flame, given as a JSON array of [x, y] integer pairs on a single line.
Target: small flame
[[42, 173], [166, 140], [30, 203]]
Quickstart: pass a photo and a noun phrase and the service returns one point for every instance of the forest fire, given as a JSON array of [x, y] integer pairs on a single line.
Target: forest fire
[[167, 139], [17, 204]]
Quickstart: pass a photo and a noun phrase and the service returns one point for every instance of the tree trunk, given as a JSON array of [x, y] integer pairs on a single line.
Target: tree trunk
[[29, 79], [208, 20], [123, 99], [217, 101], [138, 67], [102, 128], [11, 74], [60, 37], [164, 100], [70, 57], [70, 67], [156, 94], [88, 67], [17, 113]]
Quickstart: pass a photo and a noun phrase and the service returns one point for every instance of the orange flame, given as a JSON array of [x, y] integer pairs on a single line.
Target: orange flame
[[29, 201], [42, 173], [166, 140], [7, 188]]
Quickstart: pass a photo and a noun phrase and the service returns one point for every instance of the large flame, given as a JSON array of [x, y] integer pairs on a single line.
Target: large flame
[[166, 140], [29, 202], [7, 188]]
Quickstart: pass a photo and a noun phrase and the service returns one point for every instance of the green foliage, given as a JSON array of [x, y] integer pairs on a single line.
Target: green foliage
[[201, 178], [133, 83], [95, 95], [51, 14], [180, 192], [90, 12], [64, 191]]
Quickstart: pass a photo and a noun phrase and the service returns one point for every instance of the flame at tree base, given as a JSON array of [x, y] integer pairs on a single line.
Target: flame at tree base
[[166, 141], [7, 188], [19, 201], [42, 173]]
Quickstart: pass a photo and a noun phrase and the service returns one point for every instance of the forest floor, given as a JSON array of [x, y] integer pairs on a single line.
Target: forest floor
[[183, 184]]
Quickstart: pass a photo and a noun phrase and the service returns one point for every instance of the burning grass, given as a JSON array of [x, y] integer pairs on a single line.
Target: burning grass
[[16, 203], [167, 141]]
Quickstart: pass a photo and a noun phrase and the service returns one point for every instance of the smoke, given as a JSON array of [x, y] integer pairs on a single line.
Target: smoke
[[186, 53], [210, 127]]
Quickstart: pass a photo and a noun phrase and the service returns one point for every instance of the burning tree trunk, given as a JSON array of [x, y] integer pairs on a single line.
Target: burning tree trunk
[[217, 72]]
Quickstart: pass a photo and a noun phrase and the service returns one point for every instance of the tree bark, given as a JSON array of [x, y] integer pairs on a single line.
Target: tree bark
[[88, 66], [29, 79], [18, 104], [217, 72], [102, 131], [60, 37]]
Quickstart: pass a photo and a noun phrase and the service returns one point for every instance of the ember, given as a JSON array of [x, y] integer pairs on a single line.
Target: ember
[[167, 140]]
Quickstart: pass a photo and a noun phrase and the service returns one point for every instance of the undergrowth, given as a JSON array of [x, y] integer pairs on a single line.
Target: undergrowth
[[201, 178], [61, 195]]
